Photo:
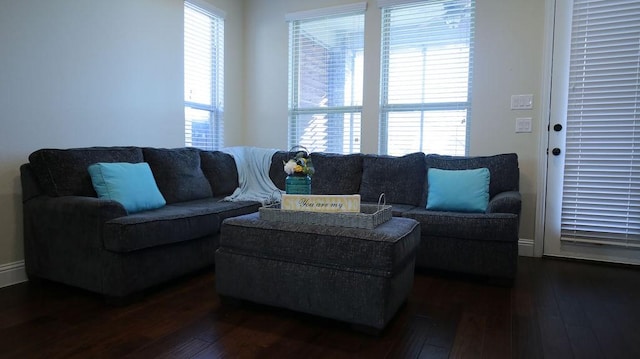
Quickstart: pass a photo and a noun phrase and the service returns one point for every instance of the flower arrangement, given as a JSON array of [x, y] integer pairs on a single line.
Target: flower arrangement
[[300, 164]]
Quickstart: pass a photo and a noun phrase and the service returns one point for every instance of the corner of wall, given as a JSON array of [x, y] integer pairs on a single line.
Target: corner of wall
[[12, 273], [525, 247]]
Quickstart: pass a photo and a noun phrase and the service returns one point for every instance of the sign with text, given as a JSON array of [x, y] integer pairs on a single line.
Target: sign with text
[[321, 203]]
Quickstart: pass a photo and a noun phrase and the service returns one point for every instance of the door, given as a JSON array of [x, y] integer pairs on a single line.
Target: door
[[592, 204]]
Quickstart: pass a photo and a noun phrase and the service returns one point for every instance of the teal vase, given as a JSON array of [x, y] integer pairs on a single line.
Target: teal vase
[[298, 184]]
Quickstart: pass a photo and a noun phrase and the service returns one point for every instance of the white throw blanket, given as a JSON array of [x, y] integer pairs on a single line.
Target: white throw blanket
[[253, 165]]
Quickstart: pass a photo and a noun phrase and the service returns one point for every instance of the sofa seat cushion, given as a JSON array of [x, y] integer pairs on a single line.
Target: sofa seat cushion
[[63, 172], [381, 250], [170, 224], [478, 226], [224, 209], [396, 209]]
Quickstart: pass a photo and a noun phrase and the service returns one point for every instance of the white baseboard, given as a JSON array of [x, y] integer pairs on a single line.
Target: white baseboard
[[12, 273], [525, 247]]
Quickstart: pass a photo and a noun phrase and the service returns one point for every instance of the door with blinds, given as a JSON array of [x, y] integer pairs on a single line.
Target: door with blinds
[[592, 204]]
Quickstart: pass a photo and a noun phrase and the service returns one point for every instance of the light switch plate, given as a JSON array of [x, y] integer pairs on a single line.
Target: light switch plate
[[522, 102], [523, 125]]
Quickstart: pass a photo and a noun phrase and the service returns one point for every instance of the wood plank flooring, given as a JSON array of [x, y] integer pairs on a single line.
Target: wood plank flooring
[[556, 309]]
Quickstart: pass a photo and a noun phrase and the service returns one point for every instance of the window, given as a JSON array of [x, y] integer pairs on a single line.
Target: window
[[426, 69], [325, 78], [203, 75], [601, 191]]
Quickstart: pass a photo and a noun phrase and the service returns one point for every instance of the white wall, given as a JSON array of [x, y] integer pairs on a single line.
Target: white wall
[[84, 73], [508, 60]]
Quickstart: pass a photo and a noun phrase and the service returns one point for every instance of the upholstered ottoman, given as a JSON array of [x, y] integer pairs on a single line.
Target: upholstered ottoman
[[359, 276]]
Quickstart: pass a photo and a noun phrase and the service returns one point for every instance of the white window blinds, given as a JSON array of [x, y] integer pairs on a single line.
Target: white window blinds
[[426, 62], [601, 202], [203, 76], [326, 78]]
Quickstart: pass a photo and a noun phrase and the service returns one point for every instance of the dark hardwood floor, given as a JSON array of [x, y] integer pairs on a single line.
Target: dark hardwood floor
[[556, 309]]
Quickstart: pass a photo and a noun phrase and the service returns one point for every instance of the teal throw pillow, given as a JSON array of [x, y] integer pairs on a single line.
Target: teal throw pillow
[[131, 184], [458, 190]]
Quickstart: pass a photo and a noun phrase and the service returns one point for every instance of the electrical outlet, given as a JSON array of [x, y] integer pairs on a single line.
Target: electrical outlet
[[523, 124]]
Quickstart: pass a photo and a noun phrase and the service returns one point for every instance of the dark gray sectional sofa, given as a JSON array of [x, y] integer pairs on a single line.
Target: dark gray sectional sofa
[[71, 236]]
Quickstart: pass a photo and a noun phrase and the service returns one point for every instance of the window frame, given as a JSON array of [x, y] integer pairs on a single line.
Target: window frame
[[214, 134], [386, 108], [345, 139]]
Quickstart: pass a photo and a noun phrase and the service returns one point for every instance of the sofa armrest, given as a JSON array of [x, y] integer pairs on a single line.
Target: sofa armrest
[[63, 238], [68, 220], [505, 202], [78, 206]]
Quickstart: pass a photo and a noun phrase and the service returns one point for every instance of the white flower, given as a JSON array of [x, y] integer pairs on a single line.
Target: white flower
[[290, 166]]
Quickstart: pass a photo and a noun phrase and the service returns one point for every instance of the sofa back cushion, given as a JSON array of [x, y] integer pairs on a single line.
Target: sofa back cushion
[[336, 173], [276, 171], [401, 179], [221, 171], [178, 174], [63, 172], [503, 168]]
